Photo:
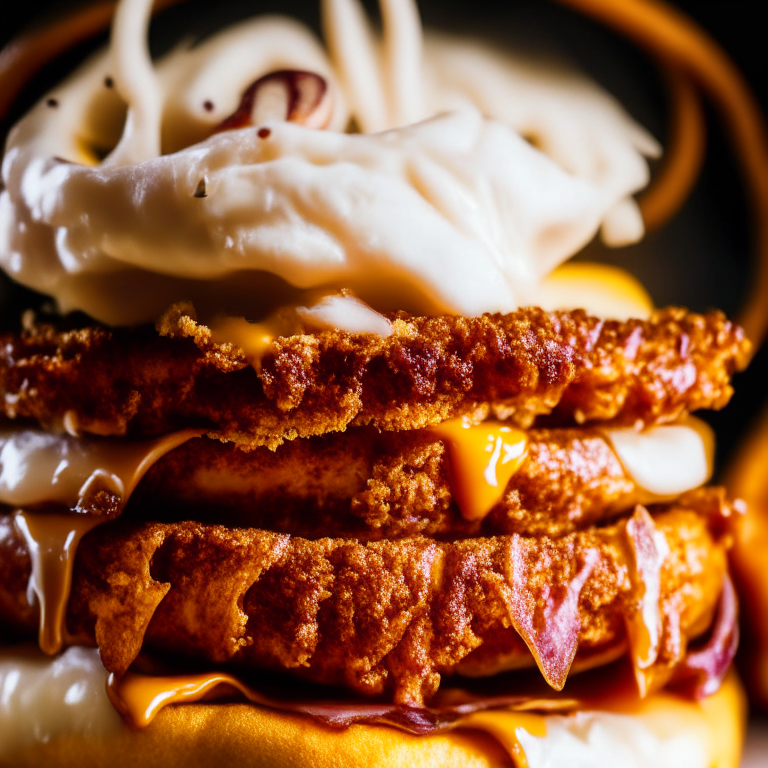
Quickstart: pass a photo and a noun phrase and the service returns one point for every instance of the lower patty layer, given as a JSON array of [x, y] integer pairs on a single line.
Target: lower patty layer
[[387, 617]]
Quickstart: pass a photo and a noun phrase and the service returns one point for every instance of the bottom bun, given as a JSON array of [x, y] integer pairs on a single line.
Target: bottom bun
[[664, 731]]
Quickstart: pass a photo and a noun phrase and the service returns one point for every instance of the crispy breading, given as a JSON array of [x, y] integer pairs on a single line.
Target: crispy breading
[[370, 484], [518, 366], [388, 617]]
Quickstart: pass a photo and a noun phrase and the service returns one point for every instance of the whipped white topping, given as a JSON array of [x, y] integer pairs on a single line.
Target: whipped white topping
[[444, 208]]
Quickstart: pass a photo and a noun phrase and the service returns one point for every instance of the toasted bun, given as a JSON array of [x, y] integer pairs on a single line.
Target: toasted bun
[[664, 731]]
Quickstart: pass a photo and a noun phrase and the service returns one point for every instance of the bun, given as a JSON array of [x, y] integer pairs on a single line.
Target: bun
[[663, 731]]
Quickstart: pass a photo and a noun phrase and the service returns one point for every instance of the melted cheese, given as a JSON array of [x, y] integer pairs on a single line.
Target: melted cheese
[[667, 460], [331, 311], [602, 290], [483, 457], [663, 461], [42, 699]]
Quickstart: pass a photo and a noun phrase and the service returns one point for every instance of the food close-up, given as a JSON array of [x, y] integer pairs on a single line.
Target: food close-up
[[352, 414]]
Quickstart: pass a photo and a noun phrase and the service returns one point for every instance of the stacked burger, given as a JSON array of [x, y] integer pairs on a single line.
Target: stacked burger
[[308, 464]]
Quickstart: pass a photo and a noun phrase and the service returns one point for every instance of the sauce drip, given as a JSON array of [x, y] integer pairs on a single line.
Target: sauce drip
[[52, 539], [483, 458], [43, 468], [38, 467]]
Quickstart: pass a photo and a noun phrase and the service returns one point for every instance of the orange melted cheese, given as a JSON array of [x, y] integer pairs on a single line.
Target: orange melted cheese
[[602, 290], [483, 458], [254, 339]]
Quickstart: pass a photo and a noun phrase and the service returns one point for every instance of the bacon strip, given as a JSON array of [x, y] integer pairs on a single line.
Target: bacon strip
[[703, 670]]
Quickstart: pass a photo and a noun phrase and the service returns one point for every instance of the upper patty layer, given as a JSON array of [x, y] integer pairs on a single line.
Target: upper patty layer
[[517, 366]]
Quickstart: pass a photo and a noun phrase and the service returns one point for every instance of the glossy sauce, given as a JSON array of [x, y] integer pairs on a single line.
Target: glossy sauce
[[38, 467], [52, 541], [43, 698], [483, 457], [667, 460]]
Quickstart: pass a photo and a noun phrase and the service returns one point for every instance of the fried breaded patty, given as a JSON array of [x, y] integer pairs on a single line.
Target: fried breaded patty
[[518, 366], [387, 617], [370, 484]]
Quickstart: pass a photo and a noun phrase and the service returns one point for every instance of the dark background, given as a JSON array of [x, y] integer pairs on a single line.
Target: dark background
[[702, 259]]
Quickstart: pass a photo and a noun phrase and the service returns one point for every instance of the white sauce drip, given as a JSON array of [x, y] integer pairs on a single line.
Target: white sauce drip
[[667, 460], [43, 698], [456, 214], [38, 467]]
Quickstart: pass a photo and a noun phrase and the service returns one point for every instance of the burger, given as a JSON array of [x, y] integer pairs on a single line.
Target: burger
[[318, 455]]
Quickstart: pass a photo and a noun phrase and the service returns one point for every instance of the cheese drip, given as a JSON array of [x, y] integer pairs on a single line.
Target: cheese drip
[[483, 457], [42, 468], [330, 311]]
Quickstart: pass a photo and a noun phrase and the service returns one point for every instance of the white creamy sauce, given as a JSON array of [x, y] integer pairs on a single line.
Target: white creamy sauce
[[43, 698], [637, 740], [444, 209], [667, 460], [344, 312], [38, 467]]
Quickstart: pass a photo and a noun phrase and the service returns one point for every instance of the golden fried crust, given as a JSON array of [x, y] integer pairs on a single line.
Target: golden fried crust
[[373, 485], [518, 366], [390, 617]]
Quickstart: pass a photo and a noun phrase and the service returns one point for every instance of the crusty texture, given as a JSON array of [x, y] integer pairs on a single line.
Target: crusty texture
[[386, 617], [517, 366], [370, 484]]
